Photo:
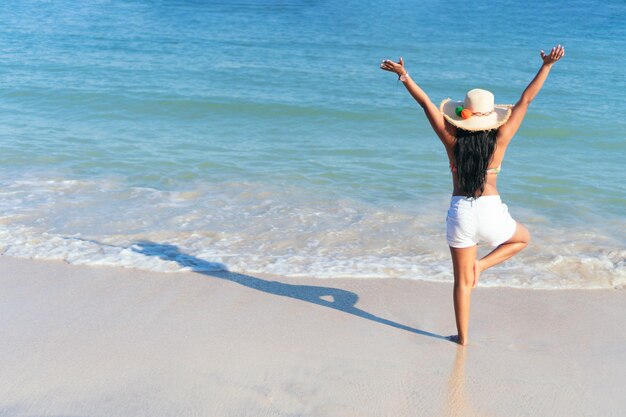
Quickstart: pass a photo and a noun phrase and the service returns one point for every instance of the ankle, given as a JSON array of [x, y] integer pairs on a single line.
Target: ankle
[[480, 266]]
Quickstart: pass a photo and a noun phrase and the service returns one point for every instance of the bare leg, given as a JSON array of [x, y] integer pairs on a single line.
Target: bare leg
[[476, 272], [463, 260], [516, 243]]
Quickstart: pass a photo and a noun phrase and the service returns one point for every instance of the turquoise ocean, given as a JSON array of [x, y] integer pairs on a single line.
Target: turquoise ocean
[[262, 137]]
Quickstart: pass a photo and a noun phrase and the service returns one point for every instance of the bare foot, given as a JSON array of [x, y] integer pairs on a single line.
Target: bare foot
[[455, 338], [477, 272]]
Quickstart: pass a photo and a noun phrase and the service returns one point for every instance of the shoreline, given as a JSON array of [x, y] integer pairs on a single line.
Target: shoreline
[[84, 340], [261, 227]]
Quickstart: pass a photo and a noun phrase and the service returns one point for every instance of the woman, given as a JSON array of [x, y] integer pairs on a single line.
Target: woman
[[476, 133]]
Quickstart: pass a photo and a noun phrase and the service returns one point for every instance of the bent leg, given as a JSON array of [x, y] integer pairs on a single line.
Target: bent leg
[[463, 260], [516, 243]]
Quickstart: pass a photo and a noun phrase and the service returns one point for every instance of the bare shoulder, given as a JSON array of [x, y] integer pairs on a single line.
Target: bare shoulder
[[449, 135], [502, 143], [508, 129]]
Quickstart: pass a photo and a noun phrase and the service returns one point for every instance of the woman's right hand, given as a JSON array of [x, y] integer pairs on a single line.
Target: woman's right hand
[[557, 53], [396, 67]]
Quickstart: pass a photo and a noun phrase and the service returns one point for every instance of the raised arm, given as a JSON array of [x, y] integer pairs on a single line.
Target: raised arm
[[507, 131], [432, 112]]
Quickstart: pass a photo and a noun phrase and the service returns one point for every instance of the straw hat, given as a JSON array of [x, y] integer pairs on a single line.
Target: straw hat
[[477, 112]]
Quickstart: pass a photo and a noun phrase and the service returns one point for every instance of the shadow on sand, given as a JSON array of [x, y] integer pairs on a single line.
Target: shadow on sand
[[324, 296]]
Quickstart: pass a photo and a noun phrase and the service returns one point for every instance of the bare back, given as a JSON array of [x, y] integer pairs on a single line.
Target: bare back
[[502, 142]]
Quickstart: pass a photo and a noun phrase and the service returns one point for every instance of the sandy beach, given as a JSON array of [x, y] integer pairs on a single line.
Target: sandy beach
[[145, 144], [100, 341]]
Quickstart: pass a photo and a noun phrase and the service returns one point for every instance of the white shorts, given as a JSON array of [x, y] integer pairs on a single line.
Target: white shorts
[[485, 218]]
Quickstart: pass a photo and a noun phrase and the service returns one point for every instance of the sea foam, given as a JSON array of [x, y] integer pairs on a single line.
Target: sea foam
[[255, 228]]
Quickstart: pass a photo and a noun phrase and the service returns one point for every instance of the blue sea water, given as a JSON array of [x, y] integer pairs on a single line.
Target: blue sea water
[[262, 135]]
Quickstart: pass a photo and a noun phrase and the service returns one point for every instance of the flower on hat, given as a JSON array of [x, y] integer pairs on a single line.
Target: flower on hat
[[466, 113], [463, 113]]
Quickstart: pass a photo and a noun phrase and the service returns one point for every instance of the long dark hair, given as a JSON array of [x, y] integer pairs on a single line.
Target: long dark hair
[[473, 151]]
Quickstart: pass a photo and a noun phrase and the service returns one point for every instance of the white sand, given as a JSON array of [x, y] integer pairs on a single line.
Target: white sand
[[87, 341]]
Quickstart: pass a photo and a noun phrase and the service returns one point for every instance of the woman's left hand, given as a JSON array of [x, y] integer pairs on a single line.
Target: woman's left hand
[[397, 67]]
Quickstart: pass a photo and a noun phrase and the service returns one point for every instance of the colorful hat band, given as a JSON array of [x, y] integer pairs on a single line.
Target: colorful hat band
[[467, 113]]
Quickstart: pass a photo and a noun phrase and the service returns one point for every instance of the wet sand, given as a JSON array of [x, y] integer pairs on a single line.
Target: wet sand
[[100, 341]]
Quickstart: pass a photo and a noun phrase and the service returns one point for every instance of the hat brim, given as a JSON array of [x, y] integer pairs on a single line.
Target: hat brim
[[501, 114]]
